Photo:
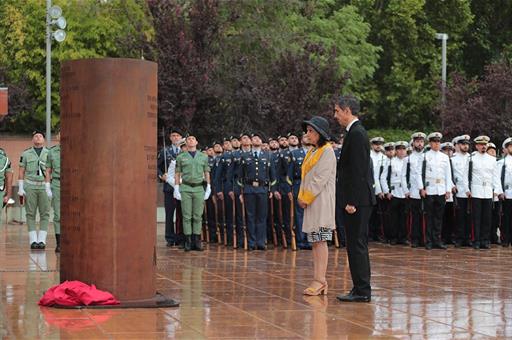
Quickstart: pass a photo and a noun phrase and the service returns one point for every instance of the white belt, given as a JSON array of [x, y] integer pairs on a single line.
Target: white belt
[[28, 181]]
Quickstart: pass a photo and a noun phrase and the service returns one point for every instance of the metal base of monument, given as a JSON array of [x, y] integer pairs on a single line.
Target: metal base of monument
[[158, 301]]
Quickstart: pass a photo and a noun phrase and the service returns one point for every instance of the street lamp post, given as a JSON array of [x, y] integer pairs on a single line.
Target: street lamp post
[[53, 17], [443, 37]]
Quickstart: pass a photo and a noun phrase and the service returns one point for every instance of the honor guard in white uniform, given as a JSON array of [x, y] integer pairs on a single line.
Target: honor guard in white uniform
[[378, 157], [448, 228], [436, 183], [496, 203], [504, 190], [481, 184], [392, 188], [460, 174], [412, 168], [389, 151]]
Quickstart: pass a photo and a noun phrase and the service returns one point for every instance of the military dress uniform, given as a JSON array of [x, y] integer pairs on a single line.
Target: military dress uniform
[[53, 163], [294, 177], [33, 160], [375, 226], [214, 204], [386, 204], [448, 228], [5, 169], [284, 187], [277, 223], [496, 203], [436, 180], [504, 169], [393, 185], [481, 183], [460, 163], [192, 166], [168, 155], [410, 172], [223, 183], [235, 169], [257, 179]]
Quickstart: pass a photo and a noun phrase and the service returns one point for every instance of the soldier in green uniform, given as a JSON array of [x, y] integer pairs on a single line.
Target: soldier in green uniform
[[52, 186], [192, 170], [5, 180], [31, 187]]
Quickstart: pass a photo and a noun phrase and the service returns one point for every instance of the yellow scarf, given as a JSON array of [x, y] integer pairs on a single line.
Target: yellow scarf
[[312, 158]]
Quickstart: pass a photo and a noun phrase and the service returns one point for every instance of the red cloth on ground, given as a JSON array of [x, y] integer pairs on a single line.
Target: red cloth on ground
[[76, 293]]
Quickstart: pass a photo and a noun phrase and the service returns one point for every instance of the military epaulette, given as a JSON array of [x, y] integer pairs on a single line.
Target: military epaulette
[[2, 152], [28, 148], [53, 146]]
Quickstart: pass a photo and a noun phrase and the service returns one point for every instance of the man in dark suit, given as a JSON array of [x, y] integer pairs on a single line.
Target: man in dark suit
[[355, 193]]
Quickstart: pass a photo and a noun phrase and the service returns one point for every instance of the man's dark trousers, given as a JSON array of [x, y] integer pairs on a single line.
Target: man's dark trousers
[[356, 232]]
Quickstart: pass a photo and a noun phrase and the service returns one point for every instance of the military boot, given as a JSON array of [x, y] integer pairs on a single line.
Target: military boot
[[188, 243]]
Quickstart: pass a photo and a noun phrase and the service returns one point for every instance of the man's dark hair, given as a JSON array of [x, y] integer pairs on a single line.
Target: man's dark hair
[[351, 102]]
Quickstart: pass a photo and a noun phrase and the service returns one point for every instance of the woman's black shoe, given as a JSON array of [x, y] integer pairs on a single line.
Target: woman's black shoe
[[41, 245], [34, 245]]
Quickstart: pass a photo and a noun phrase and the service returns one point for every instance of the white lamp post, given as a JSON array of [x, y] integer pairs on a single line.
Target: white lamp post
[[53, 17]]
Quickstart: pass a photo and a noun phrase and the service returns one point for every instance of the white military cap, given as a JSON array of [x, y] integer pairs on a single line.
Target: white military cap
[[435, 135], [506, 142], [418, 135], [377, 140], [482, 140], [401, 143], [447, 145], [491, 146], [389, 145]]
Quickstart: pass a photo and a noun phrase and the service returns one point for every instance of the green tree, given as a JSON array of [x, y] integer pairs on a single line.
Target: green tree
[[404, 90], [95, 29]]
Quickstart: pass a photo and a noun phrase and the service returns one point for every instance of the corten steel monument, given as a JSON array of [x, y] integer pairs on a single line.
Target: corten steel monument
[[108, 193]]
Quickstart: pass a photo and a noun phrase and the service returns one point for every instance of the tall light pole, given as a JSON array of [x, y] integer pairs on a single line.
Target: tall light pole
[[53, 17], [443, 37]]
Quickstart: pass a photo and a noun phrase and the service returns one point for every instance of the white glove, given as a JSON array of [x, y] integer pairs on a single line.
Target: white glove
[[177, 194], [21, 192], [207, 192], [48, 190], [170, 181]]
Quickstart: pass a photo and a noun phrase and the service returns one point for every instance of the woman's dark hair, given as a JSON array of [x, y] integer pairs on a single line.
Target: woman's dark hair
[[321, 141]]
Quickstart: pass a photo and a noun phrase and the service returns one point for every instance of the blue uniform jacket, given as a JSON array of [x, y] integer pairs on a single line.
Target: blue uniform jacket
[[257, 175]]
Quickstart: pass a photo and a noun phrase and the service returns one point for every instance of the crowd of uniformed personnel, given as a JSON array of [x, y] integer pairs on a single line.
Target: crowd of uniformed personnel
[[429, 194]]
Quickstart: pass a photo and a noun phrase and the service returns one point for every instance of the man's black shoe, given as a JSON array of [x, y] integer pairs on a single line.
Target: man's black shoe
[[41, 245], [351, 297], [458, 244], [414, 245], [428, 246], [305, 247], [261, 248], [34, 245], [476, 246], [169, 244], [505, 245], [485, 246], [196, 243], [188, 243], [393, 242], [441, 246]]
